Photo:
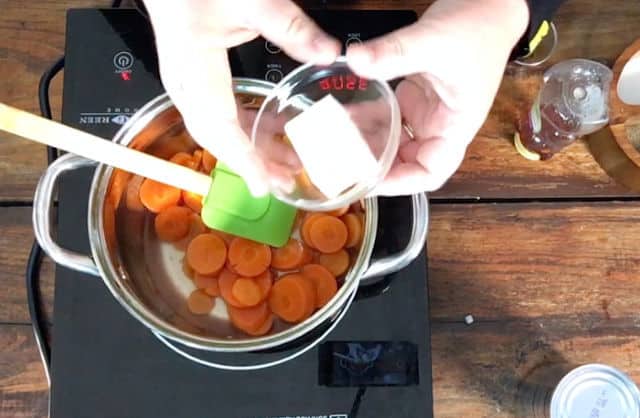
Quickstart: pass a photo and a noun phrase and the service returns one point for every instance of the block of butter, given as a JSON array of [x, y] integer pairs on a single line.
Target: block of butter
[[331, 148]]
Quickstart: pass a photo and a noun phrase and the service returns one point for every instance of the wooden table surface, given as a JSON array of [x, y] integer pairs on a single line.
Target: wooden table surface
[[543, 255]]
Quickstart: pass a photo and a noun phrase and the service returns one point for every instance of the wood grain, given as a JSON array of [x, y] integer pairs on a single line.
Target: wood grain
[[23, 386], [31, 39], [479, 370], [534, 260], [32, 36], [16, 237], [485, 370]]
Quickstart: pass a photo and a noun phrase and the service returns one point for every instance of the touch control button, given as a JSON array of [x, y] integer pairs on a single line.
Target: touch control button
[[271, 48], [274, 75]]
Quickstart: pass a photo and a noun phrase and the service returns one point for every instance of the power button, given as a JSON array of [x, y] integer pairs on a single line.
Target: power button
[[274, 75], [123, 60], [353, 40], [271, 48]]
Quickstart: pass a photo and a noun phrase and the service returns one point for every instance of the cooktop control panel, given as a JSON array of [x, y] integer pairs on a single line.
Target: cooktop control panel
[[263, 60]]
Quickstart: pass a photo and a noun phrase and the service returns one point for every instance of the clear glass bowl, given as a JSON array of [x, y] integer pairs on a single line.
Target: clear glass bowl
[[327, 136]]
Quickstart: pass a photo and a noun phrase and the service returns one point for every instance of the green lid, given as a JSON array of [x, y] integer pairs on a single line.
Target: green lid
[[231, 208]]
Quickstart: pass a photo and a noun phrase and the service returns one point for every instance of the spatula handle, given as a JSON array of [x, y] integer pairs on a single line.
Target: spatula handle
[[54, 134]]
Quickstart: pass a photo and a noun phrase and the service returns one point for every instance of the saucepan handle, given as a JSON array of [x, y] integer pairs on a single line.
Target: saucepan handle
[[42, 205], [395, 262]]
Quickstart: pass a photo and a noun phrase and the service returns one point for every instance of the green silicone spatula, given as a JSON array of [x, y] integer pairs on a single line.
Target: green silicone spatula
[[227, 205]]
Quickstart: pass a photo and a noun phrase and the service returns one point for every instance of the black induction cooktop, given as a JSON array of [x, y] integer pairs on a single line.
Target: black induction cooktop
[[107, 364]]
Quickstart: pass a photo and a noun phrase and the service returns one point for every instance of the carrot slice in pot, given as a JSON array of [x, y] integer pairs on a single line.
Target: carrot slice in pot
[[249, 258], [325, 283], [328, 234], [207, 253]]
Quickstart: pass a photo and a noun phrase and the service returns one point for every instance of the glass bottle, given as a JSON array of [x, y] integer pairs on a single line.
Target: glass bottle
[[572, 102]]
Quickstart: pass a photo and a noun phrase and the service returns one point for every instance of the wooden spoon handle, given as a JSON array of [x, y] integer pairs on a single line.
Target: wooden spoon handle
[[54, 134]]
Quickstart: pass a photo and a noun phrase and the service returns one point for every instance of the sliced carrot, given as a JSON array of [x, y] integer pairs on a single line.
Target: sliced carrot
[[208, 162], [229, 267], [209, 284], [262, 329], [265, 281], [361, 217], [173, 223], [339, 212], [118, 185], [226, 279], [246, 291], [109, 225], [288, 257], [182, 158], [325, 283], [213, 290], [249, 258], [336, 263], [197, 225], [197, 159], [354, 229], [187, 270], [186, 160], [166, 144], [207, 253], [199, 303], [292, 298], [304, 183], [204, 282], [328, 234], [311, 295], [308, 221], [157, 196], [227, 238], [193, 200], [307, 255], [249, 318], [132, 195]]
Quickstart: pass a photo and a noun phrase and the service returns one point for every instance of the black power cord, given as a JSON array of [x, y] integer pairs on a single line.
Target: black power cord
[[355, 407], [35, 312], [32, 274], [43, 99]]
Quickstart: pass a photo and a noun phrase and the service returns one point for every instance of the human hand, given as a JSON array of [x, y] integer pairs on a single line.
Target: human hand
[[454, 59], [192, 38]]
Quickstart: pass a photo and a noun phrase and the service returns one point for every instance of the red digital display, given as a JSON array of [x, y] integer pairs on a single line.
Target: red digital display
[[343, 82]]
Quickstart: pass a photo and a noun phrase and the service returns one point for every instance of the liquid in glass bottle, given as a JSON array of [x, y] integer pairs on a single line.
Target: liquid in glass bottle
[[572, 102]]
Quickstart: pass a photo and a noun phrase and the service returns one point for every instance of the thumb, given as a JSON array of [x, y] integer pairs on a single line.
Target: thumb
[[286, 25], [396, 54]]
